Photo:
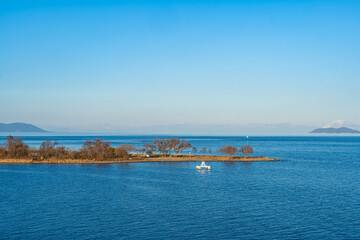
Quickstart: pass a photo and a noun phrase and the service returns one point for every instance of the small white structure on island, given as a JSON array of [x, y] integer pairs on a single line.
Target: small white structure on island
[[203, 166]]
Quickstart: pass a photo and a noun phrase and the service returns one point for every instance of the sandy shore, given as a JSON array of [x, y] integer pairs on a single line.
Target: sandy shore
[[136, 159]]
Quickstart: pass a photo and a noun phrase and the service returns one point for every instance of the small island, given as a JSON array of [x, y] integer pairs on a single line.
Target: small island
[[19, 127], [99, 151], [335, 130]]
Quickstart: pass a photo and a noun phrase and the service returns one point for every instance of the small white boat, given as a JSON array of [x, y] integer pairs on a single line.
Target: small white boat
[[203, 166]]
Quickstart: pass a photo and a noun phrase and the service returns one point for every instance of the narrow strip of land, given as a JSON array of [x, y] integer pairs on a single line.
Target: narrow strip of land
[[137, 158]]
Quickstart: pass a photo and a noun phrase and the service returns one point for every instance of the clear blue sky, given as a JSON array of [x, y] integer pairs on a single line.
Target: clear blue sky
[[139, 63]]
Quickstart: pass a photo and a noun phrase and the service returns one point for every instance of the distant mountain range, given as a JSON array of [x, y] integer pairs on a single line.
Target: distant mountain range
[[335, 130], [182, 129], [19, 127], [24, 127]]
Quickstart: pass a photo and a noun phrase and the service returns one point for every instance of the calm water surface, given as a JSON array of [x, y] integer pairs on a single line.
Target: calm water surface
[[313, 193]]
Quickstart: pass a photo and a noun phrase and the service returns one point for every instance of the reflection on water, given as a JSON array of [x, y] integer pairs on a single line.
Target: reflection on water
[[204, 172], [124, 165], [229, 163], [173, 164], [246, 164]]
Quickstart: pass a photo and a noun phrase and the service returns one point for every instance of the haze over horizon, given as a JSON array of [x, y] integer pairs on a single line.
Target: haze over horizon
[[130, 65]]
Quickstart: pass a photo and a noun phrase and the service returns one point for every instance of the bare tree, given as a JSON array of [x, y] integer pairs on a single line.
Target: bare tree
[[229, 150], [150, 148], [47, 149], [246, 150], [203, 150], [172, 143], [161, 145], [3, 152], [129, 147], [61, 152], [97, 149], [183, 144], [15, 147], [122, 152], [142, 150], [74, 154], [194, 150]]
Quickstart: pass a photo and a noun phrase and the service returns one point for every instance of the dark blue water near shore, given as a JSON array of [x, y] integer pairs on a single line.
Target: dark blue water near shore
[[312, 193]]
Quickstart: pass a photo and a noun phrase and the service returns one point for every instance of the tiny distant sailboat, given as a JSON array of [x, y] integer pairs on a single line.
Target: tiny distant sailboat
[[203, 166]]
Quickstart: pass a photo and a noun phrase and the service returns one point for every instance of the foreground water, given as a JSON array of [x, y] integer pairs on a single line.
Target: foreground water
[[312, 193]]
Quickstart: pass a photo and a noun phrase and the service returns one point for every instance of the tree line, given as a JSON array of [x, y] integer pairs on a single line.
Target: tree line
[[99, 149]]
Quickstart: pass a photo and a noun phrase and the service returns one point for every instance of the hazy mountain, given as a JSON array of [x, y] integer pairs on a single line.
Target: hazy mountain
[[19, 127], [191, 129], [335, 130]]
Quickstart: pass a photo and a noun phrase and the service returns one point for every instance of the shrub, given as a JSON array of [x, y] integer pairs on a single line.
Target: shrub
[[16, 148], [97, 149], [47, 149], [75, 154], [122, 152], [61, 152], [3, 152]]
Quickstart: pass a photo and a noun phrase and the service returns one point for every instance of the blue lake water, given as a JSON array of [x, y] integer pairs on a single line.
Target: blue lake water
[[312, 193]]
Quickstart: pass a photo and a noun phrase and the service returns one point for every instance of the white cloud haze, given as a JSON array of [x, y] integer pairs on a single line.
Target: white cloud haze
[[335, 124]]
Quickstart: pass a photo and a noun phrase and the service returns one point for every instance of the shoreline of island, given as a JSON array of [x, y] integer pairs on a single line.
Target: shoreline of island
[[140, 159]]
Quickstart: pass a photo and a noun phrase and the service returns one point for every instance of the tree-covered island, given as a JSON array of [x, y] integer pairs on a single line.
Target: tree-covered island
[[14, 150]]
